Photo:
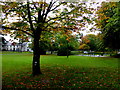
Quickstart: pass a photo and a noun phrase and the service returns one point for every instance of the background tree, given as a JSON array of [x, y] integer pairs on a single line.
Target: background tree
[[66, 43], [99, 42], [108, 21], [34, 18], [84, 47], [90, 42]]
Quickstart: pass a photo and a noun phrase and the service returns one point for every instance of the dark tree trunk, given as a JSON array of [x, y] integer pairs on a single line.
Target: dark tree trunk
[[36, 56], [51, 52], [42, 52]]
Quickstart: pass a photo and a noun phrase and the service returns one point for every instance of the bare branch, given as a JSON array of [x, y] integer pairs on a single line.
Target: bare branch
[[29, 16], [34, 18], [43, 9], [53, 3], [35, 6], [39, 13], [55, 7], [23, 16], [48, 10], [17, 30]]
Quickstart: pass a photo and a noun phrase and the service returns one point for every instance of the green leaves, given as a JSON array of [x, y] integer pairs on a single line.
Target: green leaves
[[109, 23], [20, 24]]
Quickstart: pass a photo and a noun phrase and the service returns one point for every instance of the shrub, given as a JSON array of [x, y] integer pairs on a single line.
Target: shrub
[[63, 51]]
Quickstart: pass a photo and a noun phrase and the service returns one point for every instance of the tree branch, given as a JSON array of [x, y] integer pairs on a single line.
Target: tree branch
[[43, 10], [23, 16], [17, 30], [34, 18], [39, 13], [29, 16], [35, 6], [50, 24], [61, 17], [55, 18], [55, 7], [48, 10]]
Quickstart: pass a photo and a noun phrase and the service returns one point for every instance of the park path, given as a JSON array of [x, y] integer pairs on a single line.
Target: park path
[[93, 55]]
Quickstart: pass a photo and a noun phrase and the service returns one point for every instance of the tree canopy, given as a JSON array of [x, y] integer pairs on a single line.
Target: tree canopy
[[108, 21], [34, 18]]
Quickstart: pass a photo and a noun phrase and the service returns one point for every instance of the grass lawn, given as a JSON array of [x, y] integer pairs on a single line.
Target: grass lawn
[[60, 72]]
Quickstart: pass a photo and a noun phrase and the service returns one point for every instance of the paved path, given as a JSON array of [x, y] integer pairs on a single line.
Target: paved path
[[93, 55]]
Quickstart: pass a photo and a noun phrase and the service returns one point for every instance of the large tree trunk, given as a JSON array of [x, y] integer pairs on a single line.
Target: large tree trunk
[[36, 56]]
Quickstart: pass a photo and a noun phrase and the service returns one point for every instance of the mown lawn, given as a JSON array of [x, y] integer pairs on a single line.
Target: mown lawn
[[60, 72]]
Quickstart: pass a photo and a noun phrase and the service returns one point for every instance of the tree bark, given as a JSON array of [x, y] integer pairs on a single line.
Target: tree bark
[[36, 56]]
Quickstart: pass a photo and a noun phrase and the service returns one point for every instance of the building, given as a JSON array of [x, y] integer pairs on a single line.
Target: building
[[11, 45]]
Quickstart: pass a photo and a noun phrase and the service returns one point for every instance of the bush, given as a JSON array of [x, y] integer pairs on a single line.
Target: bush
[[63, 52], [116, 55], [75, 53]]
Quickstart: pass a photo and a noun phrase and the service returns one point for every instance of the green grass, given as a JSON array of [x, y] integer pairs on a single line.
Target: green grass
[[60, 72]]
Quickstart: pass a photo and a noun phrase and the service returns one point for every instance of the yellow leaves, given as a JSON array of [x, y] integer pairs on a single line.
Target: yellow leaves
[[13, 4], [102, 17], [19, 13], [61, 44], [67, 32], [1, 23], [9, 6], [2, 32], [4, 8], [62, 86], [70, 32], [53, 38], [84, 46], [113, 4], [73, 84], [42, 2], [87, 41], [81, 25], [101, 14], [107, 21], [7, 31], [64, 35], [104, 13], [67, 39]]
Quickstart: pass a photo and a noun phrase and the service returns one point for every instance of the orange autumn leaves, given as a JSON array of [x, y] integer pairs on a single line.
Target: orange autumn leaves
[[103, 13]]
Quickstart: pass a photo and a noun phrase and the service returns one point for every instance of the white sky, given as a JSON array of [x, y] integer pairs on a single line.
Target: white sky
[[8, 38]]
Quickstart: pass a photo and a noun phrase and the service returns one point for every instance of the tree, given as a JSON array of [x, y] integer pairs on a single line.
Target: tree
[[34, 18], [84, 47], [44, 42], [90, 40], [108, 21], [66, 43], [99, 43]]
